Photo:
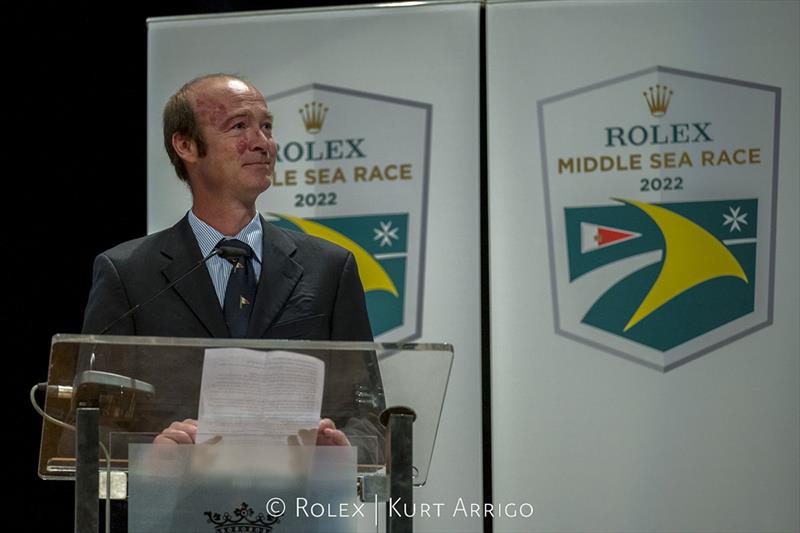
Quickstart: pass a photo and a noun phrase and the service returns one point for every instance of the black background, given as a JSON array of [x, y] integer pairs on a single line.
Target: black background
[[75, 185]]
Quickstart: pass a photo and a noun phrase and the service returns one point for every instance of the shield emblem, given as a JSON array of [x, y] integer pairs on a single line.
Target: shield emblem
[[660, 194], [353, 168]]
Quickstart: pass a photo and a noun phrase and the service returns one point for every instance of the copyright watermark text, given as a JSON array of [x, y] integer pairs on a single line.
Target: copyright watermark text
[[305, 508]]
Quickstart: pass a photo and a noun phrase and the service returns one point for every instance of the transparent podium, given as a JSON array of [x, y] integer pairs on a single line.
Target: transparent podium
[[252, 468]]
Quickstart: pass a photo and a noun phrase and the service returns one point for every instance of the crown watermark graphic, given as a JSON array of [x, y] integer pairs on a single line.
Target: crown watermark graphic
[[313, 115], [242, 520], [658, 99]]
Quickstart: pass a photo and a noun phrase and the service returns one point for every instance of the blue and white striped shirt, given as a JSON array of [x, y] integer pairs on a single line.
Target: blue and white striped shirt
[[219, 268]]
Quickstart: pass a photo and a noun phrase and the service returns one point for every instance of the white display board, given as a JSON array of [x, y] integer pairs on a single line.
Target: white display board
[[644, 184], [377, 117]]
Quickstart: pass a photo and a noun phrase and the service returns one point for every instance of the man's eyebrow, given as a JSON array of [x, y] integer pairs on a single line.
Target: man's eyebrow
[[234, 116], [238, 115], [244, 114]]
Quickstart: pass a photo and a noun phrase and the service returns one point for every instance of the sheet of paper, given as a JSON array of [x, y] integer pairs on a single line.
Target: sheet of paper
[[250, 394]]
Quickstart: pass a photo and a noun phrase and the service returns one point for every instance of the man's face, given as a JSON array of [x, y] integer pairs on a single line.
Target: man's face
[[237, 128]]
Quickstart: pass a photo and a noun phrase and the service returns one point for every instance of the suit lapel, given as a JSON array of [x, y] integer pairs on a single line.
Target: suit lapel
[[196, 290], [279, 276]]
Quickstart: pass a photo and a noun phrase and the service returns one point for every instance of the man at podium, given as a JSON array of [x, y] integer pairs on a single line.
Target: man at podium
[[259, 281]]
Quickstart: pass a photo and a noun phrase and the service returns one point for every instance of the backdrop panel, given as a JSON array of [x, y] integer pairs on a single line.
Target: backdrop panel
[[644, 218], [376, 114]]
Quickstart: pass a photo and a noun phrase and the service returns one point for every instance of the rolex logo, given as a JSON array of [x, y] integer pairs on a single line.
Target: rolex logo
[[242, 519], [658, 98], [313, 115]]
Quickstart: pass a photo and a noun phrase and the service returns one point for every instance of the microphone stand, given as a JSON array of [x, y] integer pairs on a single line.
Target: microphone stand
[[223, 251]]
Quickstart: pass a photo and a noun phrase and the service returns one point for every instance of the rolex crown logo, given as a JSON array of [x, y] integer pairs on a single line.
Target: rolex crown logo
[[658, 98], [313, 115]]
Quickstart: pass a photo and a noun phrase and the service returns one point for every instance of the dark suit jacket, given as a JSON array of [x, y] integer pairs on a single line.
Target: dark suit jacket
[[308, 289]]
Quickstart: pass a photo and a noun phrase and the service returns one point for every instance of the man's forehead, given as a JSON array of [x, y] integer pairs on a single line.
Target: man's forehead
[[238, 86], [225, 95]]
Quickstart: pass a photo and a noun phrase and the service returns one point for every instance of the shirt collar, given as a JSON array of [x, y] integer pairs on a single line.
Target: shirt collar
[[208, 237]]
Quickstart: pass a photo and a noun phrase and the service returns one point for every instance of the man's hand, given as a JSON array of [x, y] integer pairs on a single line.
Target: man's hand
[[325, 434], [178, 433], [328, 435]]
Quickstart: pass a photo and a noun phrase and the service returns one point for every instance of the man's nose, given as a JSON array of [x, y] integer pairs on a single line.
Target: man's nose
[[259, 141]]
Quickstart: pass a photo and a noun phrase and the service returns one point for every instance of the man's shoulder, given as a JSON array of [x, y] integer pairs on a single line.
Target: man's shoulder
[[141, 247], [311, 245]]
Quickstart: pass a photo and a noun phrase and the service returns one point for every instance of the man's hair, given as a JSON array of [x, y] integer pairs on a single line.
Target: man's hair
[[180, 117]]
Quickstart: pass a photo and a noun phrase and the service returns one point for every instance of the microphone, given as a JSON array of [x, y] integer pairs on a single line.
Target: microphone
[[227, 251], [224, 251]]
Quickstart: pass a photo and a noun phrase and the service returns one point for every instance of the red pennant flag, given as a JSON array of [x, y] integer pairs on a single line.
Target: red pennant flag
[[595, 237]]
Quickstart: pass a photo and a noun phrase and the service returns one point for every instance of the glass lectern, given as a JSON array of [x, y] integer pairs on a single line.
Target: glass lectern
[[114, 395]]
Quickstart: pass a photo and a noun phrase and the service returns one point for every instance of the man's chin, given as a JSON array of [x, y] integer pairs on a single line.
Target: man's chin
[[262, 182]]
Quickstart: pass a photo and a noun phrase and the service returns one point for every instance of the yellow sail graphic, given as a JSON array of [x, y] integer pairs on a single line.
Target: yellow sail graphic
[[373, 276], [691, 256]]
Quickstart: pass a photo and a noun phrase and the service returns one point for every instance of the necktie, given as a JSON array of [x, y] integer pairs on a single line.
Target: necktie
[[240, 293]]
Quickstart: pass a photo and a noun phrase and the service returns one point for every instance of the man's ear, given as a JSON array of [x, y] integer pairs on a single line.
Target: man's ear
[[185, 147]]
